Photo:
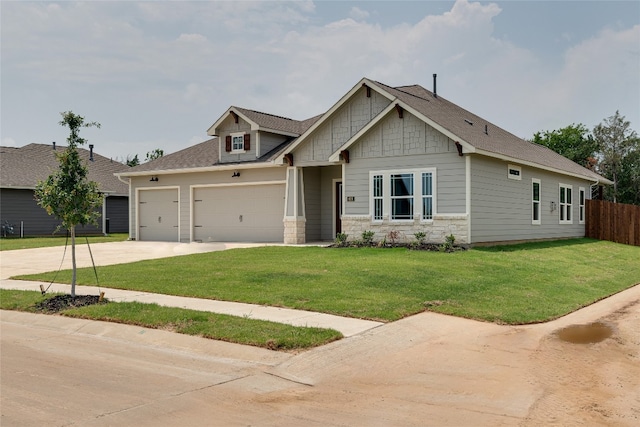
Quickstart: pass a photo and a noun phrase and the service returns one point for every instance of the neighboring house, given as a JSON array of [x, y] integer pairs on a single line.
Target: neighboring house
[[381, 159], [21, 168]]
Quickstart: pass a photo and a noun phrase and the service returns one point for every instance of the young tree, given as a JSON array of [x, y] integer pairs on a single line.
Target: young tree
[[616, 140], [67, 194], [573, 142]]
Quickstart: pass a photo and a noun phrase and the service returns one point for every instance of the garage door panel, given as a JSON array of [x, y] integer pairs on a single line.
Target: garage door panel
[[239, 214], [158, 215]]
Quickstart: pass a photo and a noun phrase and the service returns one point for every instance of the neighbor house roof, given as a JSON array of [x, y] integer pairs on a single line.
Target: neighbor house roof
[[23, 167]]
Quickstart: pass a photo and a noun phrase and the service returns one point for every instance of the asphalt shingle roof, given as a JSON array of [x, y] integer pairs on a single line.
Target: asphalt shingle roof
[[471, 128], [23, 167]]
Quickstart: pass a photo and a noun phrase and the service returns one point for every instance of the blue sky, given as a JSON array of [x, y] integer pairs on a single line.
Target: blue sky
[[158, 74]]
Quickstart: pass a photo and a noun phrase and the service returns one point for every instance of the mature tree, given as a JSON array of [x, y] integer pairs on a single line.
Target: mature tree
[[573, 142], [67, 194], [616, 140], [629, 177], [155, 154]]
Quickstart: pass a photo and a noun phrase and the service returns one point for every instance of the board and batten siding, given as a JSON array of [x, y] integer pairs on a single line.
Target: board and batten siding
[[501, 208], [185, 181], [337, 129], [399, 144]]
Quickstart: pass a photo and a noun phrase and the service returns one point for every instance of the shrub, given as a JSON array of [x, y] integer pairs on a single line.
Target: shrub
[[367, 237]]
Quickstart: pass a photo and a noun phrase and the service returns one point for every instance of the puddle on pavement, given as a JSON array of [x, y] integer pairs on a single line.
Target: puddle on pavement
[[585, 334]]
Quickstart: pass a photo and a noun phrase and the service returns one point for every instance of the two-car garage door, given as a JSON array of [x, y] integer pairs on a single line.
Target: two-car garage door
[[251, 213]]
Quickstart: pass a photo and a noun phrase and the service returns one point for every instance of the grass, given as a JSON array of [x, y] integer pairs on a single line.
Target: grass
[[260, 333], [13, 243], [516, 284]]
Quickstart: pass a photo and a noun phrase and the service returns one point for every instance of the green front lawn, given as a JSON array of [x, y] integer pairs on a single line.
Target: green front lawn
[[260, 333], [12, 243], [515, 284]]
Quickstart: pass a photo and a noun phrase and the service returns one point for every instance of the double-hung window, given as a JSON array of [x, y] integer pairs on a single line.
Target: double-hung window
[[403, 195], [565, 204], [535, 202]]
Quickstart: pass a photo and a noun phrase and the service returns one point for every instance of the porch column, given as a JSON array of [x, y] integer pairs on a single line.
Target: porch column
[[294, 209]]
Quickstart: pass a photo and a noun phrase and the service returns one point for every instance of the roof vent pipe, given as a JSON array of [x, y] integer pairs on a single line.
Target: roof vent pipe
[[54, 145], [435, 93], [91, 152], [486, 130]]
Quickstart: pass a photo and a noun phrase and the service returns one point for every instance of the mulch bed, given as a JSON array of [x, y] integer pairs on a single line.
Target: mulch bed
[[62, 302]]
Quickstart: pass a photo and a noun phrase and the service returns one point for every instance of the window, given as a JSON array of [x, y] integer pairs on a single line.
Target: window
[[427, 195], [565, 204], [237, 142], [581, 196], [377, 198], [403, 195], [515, 172], [535, 201]]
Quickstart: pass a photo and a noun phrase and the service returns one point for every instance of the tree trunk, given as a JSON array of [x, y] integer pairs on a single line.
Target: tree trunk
[[72, 229]]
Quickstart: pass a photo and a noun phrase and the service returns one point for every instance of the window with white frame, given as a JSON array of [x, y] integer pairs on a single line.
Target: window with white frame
[[514, 172], [403, 195], [581, 197], [427, 195], [565, 204], [237, 142], [377, 197], [535, 202]]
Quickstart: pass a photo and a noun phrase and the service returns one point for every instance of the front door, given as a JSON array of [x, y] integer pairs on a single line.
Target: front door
[[338, 207]]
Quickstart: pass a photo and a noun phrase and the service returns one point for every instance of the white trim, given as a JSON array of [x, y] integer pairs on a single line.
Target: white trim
[[517, 175], [240, 184], [568, 204], [539, 201], [237, 135], [417, 195], [224, 167]]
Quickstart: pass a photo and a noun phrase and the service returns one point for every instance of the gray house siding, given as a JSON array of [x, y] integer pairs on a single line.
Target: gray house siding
[[408, 143], [328, 175], [342, 125], [269, 141], [19, 208], [312, 196], [229, 127], [501, 208], [118, 214]]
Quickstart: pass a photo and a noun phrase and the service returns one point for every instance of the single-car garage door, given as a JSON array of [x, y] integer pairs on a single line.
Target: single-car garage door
[[250, 213], [158, 215]]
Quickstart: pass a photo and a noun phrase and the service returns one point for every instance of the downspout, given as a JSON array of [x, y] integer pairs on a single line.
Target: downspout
[[104, 213]]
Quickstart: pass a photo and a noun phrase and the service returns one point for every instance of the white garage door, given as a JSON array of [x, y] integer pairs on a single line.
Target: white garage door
[[158, 215], [239, 214]]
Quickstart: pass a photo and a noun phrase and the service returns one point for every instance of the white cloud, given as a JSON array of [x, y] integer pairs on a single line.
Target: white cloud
[[192, 38], [358, 14]]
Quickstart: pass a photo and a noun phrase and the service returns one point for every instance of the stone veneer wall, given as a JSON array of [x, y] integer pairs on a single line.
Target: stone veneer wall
[[442, 226], [294, 231]]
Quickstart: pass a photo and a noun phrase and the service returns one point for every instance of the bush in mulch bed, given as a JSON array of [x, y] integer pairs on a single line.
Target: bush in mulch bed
[[62, 302], [391, 241]]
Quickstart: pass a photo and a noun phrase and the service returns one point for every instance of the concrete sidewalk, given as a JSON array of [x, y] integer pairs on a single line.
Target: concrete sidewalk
[[29, 261]]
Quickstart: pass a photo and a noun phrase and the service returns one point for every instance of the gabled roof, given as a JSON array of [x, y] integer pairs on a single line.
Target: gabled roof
[[23, 167], [204, 156], [462, 126], [264, 122]]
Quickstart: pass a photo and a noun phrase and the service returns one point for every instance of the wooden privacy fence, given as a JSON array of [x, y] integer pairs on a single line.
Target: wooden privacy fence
[[615, 222]]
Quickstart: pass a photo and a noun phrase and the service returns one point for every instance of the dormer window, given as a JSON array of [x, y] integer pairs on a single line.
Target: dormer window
[[238, 143]]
